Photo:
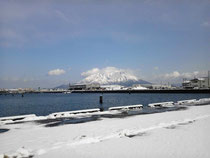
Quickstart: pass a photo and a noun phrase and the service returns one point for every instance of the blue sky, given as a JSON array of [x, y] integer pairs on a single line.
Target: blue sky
[[153, 38]]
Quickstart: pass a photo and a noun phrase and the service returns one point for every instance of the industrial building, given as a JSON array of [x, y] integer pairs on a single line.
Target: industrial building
[[84, 87]]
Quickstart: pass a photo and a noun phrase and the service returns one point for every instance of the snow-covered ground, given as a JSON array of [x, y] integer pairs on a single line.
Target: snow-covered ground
[[183, 133]]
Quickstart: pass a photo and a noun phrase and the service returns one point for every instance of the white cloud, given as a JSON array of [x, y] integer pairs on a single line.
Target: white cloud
[[90, 72], [177, 74], [174, 74], [56, 72]]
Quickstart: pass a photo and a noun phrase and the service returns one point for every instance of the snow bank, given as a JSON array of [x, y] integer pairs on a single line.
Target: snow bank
[[72, 113], [21, 118], [203, 101], [162, 104], [13, 118], [130, 107], [20, 153], [190, 102], [182, 102]]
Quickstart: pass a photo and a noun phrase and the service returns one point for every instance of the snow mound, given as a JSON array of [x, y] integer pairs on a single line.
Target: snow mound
[[162, 104], [130, 107], [73, 113], [20, 153], [20, 117], [181, 102], [41, 152], [203, 101]]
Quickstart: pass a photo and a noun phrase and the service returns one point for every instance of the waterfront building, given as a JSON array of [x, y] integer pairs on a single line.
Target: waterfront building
[[197, 83]]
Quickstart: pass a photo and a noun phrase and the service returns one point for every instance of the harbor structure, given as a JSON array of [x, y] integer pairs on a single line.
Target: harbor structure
[[84, 87], [113, 87], [158, 86]]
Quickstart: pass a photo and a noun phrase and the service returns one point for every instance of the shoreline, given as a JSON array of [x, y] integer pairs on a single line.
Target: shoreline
[[116, 91], [145, 91]]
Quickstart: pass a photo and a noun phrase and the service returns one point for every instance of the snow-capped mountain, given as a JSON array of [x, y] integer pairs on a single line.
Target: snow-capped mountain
[[111, 75]]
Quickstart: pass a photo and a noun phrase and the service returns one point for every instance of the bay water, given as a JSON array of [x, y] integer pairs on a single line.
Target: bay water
[[43, 104]]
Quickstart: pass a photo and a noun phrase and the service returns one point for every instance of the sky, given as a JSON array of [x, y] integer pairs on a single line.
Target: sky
[[45, 43]]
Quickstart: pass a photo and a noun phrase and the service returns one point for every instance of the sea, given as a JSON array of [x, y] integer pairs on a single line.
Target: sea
[[43, 104]]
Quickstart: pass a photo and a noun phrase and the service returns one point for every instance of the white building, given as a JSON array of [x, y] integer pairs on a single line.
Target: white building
[[113, 87], [197, 83], [138, 87]]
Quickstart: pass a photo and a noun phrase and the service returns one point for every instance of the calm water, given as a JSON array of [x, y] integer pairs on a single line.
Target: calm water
[[44, 104]]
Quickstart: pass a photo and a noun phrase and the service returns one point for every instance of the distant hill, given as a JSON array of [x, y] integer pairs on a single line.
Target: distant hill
[[63, 86]]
